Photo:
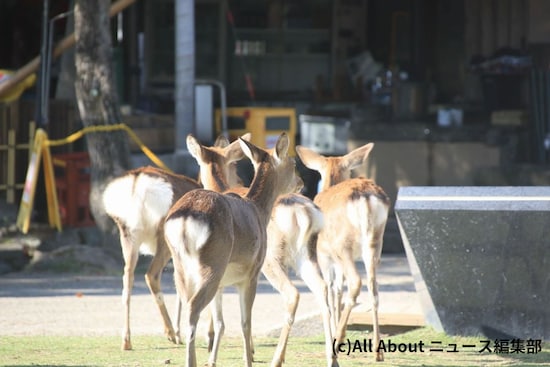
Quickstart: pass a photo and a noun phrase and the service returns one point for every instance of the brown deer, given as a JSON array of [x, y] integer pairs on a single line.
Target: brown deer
[[355, 212], [219, 239], [138, 202], [291, 242]]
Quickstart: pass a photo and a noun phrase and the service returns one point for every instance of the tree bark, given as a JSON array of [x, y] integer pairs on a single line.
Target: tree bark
[[98, 102]]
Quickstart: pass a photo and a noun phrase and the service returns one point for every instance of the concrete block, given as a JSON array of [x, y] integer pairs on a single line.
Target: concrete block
[[480, 257]]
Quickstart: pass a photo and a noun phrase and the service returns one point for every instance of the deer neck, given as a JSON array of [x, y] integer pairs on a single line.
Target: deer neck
[[264, 190], [216, 179], [328, 181]]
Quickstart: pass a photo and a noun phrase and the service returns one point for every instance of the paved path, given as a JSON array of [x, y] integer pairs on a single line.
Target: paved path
[[91, 305]]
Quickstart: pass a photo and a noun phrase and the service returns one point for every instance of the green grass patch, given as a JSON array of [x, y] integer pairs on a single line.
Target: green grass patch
[[155, 351]]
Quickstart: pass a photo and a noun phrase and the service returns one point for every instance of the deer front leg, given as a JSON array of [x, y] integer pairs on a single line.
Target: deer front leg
[[247, 294], [153, 278], [130, 255], [277, 276]]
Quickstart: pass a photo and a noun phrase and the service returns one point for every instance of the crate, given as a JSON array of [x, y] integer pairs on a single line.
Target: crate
[[72, 182], [264, 123]]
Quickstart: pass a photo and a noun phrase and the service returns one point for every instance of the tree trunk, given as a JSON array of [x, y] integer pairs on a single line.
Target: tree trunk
[[98, 102]]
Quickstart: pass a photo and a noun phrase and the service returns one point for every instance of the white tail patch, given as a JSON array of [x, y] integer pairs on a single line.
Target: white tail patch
[[317, 219], [283, 216], [186, 234], [357, 211], [366, 214], [139, 202], [380, 209], [197, 230]]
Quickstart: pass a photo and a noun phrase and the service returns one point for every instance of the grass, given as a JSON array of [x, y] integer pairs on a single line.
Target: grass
[[306, 352]]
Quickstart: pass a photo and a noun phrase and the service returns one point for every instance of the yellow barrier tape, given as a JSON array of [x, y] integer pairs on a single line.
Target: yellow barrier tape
[[106, 128]]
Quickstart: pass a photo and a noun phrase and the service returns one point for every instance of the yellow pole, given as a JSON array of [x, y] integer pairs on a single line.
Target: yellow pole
[[54, 219], [27, 198], [10, 184]]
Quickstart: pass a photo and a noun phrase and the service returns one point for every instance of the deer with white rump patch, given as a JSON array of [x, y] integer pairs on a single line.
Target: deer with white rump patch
[[138, 202], [291, 242], [355, 212], [292, 237], [219, 239]]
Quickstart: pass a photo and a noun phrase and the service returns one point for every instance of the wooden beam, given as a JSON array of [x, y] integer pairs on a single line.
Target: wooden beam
[[63, 45]]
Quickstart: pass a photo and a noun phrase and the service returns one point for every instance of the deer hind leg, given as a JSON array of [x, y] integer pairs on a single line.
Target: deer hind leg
[[130, 254], [353, 280], [276, 275], [177, 324], [309, 271], [217, 325], [371, 259], [153, 278], [201, 295], [210, 335], [337, 291], [328, 276]]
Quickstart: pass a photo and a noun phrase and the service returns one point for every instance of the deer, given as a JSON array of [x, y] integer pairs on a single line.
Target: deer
[[355, 212], [219, 239], [291, 242], [138, 202], [292, 238]]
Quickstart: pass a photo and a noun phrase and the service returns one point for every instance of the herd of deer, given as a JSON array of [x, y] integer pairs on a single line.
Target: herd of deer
[[219, 233]]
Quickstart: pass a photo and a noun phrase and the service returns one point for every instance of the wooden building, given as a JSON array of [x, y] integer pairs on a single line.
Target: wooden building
[[394, 68]]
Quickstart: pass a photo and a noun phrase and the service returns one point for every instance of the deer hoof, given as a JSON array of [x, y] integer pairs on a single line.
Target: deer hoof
[[126, 345], [171, 335], [379, 357]]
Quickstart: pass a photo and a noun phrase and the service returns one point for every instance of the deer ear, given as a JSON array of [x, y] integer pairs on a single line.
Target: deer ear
[[357, 157], [253, 153], [311, 159], [246, 136], [194, 147], [281, 147], [221, 142], [233, 152]]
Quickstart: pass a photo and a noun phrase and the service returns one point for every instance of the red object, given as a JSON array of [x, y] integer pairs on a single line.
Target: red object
[[72, 182], [230, 18], [250, 87]]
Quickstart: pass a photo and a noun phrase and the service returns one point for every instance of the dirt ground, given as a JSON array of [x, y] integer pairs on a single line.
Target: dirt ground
[[69, 304], [82, 296]]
